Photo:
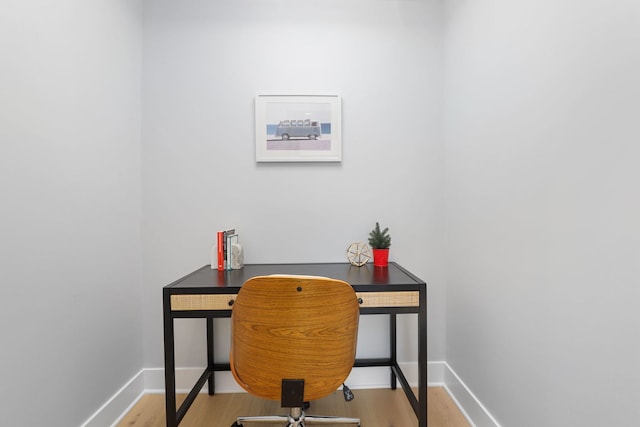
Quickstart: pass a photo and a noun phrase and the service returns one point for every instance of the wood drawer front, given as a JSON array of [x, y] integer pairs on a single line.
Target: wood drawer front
[[389, 299], [201, 302]]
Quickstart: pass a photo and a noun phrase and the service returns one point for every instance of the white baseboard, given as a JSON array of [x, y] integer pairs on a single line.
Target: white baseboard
[[470, 406], [186, 378], [360, 378], [119, 404], [151, 381]]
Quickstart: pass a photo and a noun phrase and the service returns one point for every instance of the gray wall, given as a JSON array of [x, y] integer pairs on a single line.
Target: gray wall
[[205, 61], [70, 244], [543, 240]]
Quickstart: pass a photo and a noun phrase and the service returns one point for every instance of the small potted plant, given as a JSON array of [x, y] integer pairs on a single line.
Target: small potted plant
[[380, 242]]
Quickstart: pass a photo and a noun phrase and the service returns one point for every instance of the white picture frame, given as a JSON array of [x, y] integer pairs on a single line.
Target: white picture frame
[[298, 128]]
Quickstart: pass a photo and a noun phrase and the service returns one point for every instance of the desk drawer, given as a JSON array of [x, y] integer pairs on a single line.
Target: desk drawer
[[221, 301], [389, 299], [202, 302]]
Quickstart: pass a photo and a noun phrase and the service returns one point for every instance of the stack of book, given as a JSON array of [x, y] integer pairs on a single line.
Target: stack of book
[[229, 253]]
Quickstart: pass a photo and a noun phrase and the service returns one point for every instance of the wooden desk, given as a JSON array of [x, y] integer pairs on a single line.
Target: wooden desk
[[208, 294]]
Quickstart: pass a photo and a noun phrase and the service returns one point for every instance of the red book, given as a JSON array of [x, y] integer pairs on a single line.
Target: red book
[[221, 250]]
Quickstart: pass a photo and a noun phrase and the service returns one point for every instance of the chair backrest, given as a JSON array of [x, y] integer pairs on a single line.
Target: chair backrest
[[293, 327]]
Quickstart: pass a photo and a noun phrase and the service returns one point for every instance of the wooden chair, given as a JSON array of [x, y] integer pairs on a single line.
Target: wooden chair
[[293, 339]]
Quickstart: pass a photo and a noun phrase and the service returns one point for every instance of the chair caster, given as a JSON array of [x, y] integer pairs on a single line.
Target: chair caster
[[235, 424]]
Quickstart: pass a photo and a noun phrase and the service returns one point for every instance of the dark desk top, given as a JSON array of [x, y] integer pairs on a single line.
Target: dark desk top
[[365, 278]]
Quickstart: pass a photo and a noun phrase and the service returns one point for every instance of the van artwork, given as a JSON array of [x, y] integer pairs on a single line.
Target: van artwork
[[298, 129]]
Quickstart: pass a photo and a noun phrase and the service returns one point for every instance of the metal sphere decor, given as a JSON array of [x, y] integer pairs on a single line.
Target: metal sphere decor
[[358, 254]]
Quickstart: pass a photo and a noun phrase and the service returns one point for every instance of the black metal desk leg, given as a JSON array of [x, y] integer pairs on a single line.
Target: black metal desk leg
[[422, 359], [169, 364], [393, 348], [210, 356]]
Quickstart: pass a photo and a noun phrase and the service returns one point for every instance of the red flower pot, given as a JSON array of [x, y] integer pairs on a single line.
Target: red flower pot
[[380, 257]]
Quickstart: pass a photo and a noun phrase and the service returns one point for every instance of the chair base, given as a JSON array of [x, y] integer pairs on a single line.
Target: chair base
[[297, 418]]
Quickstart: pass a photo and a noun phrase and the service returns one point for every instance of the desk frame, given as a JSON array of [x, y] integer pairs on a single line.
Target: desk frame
[[196, 296]]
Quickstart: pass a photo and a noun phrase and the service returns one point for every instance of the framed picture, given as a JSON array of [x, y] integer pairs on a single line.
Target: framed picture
[[298, 128]]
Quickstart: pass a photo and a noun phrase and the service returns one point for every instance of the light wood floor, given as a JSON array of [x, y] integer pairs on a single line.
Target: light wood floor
[[375, 408]]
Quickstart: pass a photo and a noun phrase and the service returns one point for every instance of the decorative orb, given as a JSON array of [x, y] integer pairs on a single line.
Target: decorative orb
[[358, 254]]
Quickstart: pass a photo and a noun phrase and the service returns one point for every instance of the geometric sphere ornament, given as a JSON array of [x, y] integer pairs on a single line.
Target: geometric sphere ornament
[[358, 254]]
